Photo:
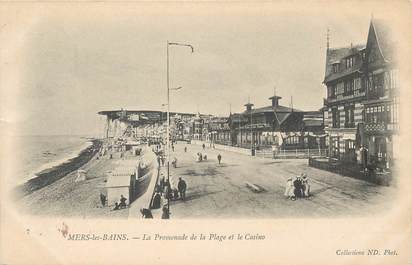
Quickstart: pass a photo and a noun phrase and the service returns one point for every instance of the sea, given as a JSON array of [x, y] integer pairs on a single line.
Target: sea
[[37, 153]]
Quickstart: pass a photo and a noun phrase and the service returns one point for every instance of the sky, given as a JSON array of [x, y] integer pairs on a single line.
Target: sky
[[74, 66]]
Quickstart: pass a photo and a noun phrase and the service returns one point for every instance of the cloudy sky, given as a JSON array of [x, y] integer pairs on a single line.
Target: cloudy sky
[[73, 66]]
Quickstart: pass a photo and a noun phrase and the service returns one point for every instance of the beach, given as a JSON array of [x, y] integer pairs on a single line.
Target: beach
[[56, 193]]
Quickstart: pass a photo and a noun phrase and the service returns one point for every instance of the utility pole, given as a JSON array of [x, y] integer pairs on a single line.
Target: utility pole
[[168, 112]]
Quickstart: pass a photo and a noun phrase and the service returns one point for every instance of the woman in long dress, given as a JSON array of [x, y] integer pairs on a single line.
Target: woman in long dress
[[306, 185], [289, 189]]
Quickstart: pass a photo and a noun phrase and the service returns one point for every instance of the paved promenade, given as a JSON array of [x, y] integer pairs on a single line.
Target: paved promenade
[[219, 191]]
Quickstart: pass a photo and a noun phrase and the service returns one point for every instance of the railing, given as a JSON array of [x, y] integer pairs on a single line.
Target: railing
[[296, 153], [381, 127], [351, 170]]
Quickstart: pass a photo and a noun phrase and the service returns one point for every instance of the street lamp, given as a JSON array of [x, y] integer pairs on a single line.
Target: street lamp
[[168, 111]]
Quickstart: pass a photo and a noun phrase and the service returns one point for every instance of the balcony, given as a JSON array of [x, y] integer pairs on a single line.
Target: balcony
[[343, 97], [381, 127]]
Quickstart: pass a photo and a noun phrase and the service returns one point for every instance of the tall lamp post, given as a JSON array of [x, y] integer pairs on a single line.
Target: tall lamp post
[[168, 111]]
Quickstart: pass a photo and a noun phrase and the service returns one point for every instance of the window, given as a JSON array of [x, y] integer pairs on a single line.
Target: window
[[332, 91], [349, 62], [335, 67], [357, 86], [334, 147], [393, 79], [335, 118], [348, 87], [349, 116], [378, 82], [381, 114], [340, 89]]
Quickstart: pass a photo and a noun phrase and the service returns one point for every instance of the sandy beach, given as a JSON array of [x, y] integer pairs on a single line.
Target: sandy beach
[[67, 198]]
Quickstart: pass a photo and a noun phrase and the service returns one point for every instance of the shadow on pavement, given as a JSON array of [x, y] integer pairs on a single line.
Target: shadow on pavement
[[194, 196]]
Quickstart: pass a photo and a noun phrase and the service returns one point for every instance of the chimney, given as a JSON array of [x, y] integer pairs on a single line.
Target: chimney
[[275, 101]]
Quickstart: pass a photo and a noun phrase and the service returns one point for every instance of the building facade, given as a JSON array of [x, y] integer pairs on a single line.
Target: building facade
[[381, 128], [276, 125], [361, 108], [345, 94]]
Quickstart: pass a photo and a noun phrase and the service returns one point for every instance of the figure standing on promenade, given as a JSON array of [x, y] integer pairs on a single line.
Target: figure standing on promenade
[[219, 158], [156, 200], [174, 162], [185, 149], [297, 183], [165, 212], [289, 189], [203, 145], [103, 199], [181, 186], [306, 185]]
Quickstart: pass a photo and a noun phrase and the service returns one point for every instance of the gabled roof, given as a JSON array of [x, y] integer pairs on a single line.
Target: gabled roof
[[270, 108], [336, 56]]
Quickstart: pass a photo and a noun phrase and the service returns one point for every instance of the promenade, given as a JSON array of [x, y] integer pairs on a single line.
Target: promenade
[[220, 191]]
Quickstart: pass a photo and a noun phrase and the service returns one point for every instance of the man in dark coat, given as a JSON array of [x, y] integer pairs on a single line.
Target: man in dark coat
[[219, 158], [181, 186], [297, 183], [122, 203], [103, 199]]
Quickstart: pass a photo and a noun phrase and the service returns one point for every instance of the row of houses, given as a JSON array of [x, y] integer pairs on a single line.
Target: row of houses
[[266, 127], [361, 110]]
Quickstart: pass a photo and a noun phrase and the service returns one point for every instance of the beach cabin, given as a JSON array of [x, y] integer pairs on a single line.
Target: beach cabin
[[119, 185]]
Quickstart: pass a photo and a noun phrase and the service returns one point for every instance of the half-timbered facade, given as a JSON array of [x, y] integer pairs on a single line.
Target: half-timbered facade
[[343, 105], [382, 89]]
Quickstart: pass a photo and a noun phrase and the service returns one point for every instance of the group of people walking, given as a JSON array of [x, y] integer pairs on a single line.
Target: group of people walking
[[297, 187]]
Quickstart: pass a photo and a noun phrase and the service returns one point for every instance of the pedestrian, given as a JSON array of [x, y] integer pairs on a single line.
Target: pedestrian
[[174, 162], [297, 188], [165, 212], [156, 201], [146, 213], [219, 158], [122, 203], [116, 206], [289, 189], [175, 194], [167, 190], [173, 148], [185, 149], [203, 145], [181, 186], [103, 199], [205, 157], [306, 185], [162, 182]]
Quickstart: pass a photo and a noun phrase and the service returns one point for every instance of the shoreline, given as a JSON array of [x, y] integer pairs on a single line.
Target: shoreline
[[51, 175]]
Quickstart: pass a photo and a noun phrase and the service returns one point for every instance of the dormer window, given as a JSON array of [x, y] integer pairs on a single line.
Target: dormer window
[[349, 62], [335, 67]]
